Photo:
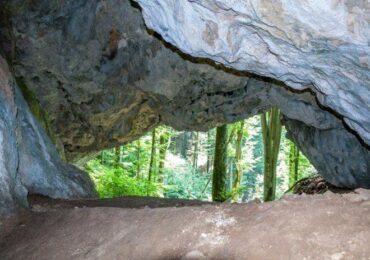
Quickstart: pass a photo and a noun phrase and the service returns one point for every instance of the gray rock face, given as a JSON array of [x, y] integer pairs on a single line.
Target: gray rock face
[[29, 162], [102, 79], [321, 45], [12, 192], [346, 165]]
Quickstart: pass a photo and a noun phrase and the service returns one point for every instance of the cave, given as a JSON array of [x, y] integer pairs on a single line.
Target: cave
[[77, 77]]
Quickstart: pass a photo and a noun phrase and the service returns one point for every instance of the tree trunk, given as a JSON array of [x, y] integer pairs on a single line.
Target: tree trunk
[[238, 157], [117, 155], [185, 144], [138, 158], [195, 151], [102, 157], [164, 144], [293, 164], [152, 157], [296, 164], [219, 166], [162, 155], [271, 131], [209, 154]]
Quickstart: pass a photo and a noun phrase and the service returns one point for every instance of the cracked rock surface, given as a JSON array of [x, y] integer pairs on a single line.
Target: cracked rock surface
[[320, 45]]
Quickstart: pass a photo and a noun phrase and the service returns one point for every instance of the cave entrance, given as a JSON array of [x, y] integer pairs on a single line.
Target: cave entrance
[[179, 164]]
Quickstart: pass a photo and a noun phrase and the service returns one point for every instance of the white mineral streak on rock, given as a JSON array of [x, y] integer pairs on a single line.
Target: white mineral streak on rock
[[323, 45]]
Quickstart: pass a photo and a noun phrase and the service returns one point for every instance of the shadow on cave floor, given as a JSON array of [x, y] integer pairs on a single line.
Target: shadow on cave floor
[[42, 202], [310, 186]]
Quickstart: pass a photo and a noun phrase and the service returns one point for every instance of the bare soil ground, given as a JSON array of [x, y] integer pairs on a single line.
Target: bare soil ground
[[329, 226]]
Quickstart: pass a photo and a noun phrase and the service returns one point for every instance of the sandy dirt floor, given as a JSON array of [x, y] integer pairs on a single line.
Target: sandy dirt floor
[[329, 226]]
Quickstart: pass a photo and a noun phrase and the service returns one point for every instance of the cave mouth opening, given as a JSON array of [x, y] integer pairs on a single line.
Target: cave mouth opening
[[166, 163]]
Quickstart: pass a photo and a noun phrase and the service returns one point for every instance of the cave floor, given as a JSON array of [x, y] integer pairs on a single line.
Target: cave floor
[[329, 226]]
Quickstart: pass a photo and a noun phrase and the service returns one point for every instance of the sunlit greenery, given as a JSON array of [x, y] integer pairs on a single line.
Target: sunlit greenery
[[182, 165], [115, 181]]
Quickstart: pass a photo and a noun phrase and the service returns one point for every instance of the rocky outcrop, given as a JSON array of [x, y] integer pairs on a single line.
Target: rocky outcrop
[[29, 162], [95, 77], [12, 192], [335, 153], [321, 45]]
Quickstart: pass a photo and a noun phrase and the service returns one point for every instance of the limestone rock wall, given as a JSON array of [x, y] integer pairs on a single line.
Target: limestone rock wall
[[12, 191], [338, 155], [29, 162], [321, 45]]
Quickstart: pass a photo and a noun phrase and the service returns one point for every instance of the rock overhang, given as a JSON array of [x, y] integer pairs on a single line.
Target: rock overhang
[[319, 45]]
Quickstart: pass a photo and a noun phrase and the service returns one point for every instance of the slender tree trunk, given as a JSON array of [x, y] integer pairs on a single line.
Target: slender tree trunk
[[293, 164], [296, 164], [209, 154], [185, 144], [271, 131], [164, 144], [117, 155], [205, 187], [138, 158], [230, 163], [238, 157], [220, 168], [195, 151], [102, 157], [162, 155], [152, 163]]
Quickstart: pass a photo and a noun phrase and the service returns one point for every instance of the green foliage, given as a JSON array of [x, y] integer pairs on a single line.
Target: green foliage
[[184, 165], [186, 184], [115, 182]]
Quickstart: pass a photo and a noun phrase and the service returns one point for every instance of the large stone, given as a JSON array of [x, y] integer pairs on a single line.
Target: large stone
[[29, 162], [321, 45]]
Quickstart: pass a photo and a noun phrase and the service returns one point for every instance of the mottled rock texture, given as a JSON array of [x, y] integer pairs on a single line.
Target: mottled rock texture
[[12, 192], [29, 162], [96, 77], [321, 45]]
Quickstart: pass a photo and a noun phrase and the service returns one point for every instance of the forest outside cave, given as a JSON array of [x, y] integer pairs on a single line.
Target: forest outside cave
[[179, 164]]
